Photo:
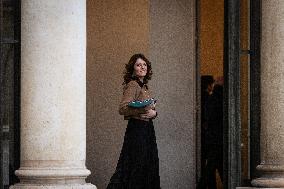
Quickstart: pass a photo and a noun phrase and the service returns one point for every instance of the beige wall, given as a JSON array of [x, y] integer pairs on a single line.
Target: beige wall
[[164, 31], [115, 29], [211, 42], [172, 50]]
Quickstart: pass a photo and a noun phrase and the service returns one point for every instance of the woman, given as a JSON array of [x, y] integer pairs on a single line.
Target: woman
[[138, 164]]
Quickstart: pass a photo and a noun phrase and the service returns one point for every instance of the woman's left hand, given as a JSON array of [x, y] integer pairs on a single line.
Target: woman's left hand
[[149, 114]]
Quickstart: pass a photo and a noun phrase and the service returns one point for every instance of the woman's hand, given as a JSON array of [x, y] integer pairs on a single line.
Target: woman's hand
[[149, 114]]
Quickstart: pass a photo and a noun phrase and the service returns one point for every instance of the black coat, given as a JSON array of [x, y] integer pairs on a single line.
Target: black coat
[[214, 116]]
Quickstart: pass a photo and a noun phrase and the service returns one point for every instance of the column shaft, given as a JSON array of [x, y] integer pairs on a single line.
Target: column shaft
[[53, 94], [272, 96]]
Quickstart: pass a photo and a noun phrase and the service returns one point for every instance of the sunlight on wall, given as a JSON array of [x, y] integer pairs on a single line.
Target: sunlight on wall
[[211, 26]]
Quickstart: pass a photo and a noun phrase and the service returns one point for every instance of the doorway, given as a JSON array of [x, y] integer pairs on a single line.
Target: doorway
[[228, 47], [10, 91]]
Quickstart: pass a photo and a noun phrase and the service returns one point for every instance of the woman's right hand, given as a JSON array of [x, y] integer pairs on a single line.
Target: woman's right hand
[[149, 114]]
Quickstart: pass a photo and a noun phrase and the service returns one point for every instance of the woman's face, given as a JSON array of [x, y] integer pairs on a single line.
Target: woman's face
[[140, 68]]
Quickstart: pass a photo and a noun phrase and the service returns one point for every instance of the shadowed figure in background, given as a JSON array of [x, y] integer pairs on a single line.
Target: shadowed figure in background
[[207, 83], [211, 133], [214, 136]]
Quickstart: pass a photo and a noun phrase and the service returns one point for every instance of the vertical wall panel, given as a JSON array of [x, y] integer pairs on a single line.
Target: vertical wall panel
[[211, 37], [116, 29], [172, 51]]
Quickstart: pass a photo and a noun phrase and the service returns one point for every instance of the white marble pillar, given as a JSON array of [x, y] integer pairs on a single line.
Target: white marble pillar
[[272, 96], [53, 95]]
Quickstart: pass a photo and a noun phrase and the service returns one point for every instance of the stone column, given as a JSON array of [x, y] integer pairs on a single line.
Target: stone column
[[272, 96], [53, 95]]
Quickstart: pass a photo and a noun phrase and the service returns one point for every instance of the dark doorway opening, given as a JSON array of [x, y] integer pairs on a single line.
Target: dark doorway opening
[[241, 98], [242, 89], [10, 91]]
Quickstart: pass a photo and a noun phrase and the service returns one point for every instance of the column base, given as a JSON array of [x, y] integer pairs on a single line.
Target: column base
[[58, 175], [272, 176], [252, 188], [52, 172], [53, 186], [268, 182]]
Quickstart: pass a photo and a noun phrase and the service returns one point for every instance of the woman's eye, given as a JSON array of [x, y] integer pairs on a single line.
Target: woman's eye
[[140, 65]]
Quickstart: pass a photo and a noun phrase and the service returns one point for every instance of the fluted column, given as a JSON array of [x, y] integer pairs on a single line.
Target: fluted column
[[272, 96], [53, 95]]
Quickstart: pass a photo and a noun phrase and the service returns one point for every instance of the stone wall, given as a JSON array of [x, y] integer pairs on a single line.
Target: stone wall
[[172, 50]]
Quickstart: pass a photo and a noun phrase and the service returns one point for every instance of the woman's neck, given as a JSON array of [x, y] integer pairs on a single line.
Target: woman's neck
[[141, 79]]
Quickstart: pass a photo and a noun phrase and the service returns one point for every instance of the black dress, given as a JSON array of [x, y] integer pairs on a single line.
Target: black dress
[[138, 164]]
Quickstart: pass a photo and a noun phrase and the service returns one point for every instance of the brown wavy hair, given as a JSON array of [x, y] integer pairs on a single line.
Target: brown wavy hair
[[129, 68]]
